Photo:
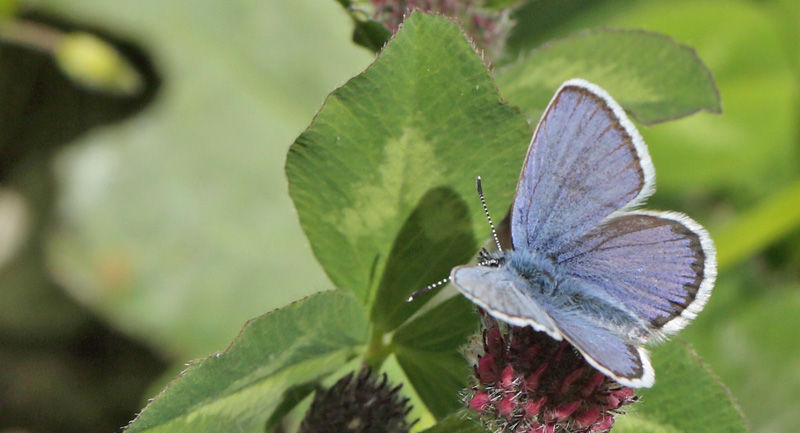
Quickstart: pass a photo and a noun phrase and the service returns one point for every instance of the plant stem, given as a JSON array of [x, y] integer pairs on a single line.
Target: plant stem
[[36, 36], [378, 350]]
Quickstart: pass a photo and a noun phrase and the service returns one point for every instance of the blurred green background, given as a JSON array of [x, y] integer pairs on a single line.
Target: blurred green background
[[140, 231]]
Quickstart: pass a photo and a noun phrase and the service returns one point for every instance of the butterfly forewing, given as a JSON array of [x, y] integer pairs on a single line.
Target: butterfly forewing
[[585, 161], [504, 295]]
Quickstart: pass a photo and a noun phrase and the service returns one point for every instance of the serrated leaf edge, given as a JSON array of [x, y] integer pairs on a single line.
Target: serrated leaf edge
[[197, 362]]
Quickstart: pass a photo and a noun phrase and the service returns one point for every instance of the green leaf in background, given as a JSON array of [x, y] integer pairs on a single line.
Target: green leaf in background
[[754, 230], [175, 226], [787, 14], [443, 327], [755, 350], [499, 4], [687, 397], [371, 34], [459, 422], [368, 33], [429, 348], [540, 21], [628, 64], [239, 389], [387, 169], [439, 223], [7, 8], [751, 150]]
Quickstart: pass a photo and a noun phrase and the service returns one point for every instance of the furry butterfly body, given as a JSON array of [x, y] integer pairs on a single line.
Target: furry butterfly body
[[585, 265]]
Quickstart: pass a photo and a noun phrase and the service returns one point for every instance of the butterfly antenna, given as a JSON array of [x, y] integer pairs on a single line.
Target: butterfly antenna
[[427, 289], [483, 254], [486, 211]]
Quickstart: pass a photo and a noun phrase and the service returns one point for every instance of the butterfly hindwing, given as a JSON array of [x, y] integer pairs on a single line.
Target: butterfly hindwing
[[660, 266], [628, 363]]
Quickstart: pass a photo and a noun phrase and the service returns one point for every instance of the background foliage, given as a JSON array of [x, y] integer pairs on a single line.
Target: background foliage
[[157, 237]]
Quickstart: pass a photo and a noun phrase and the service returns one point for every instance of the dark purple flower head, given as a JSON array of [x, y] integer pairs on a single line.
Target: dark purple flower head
[[526, 382], [358, 404], [488, 28]]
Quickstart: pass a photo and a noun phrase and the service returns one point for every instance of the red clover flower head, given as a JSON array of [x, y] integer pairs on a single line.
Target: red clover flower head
[[488, 28], [526, 382]]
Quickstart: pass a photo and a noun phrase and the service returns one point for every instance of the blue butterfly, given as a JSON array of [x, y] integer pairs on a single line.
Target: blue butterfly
[[585, 265]]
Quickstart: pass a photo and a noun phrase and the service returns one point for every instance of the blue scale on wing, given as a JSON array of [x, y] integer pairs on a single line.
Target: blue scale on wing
[[651, 264]]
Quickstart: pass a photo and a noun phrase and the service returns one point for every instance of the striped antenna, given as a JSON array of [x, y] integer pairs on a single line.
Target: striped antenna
[[427, 289], [484, 254], [486, 211]]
